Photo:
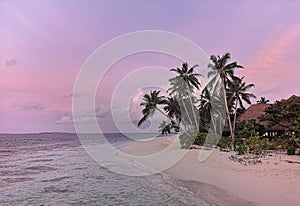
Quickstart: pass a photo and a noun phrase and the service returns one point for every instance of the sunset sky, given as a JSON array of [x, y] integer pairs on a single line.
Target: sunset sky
[[43, 45]]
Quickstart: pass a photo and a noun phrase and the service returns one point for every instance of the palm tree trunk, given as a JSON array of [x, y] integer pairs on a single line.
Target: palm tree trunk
[[186, 110], [234, 120], [158, 109], [227, 111], [193, 110]]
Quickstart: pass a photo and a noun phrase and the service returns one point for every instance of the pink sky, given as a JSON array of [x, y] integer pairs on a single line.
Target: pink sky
[[44, 44]]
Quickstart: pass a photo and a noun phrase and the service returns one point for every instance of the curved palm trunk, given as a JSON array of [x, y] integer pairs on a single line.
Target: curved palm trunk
[[228, 114], [166, 115], [169, 118]]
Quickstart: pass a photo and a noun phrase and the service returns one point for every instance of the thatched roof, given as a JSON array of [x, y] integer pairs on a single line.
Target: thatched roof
[[254, 112]]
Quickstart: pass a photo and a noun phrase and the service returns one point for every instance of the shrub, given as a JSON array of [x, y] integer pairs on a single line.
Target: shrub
[[272, 145], [224, 143], [291, 150], [187, 139], [212, 140], [241, 146]]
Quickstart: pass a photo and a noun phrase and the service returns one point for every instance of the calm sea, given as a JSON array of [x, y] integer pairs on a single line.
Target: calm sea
[[53, 169]]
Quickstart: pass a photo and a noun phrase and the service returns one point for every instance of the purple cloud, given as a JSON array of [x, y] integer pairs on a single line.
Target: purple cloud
[[11, 62], [28, 106]]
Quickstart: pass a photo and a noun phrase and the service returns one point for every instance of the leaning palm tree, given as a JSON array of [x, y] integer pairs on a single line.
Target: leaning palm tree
[[263, 100], [150, 103], [172, 109], [222, 69], [239, 93], [182, 86]]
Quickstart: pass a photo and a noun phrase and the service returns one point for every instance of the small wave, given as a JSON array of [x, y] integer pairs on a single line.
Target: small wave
[[6, 151], [16, 173], [51, 189], [41, 168], [55, 179], [17, 179], [41, 160]]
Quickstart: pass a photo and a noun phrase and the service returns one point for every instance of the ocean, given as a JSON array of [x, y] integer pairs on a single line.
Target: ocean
[[54, 169]]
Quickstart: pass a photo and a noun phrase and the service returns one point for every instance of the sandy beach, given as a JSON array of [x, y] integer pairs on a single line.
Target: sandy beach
[[220, 181]]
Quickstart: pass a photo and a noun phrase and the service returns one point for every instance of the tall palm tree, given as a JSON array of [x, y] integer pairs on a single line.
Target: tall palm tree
[[220, 67], [239, 89], [183, 86], [263, 100]]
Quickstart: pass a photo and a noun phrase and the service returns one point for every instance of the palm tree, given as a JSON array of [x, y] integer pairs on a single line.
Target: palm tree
[[183, 86], [212, 107], [173, 109], [151, 103], [224, 70], [164, 128], [205, 108], [263, 100], [239, 89]]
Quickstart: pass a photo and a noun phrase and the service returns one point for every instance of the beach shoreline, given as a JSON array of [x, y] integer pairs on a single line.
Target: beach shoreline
[[220, 181]]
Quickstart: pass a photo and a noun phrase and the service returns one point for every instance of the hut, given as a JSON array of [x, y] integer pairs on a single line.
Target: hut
[[254, 112]]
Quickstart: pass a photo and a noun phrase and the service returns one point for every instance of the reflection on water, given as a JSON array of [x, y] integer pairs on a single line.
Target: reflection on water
[[53, 169]]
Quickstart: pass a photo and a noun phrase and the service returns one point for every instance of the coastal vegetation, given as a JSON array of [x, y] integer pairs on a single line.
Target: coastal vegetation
[[201, 115]]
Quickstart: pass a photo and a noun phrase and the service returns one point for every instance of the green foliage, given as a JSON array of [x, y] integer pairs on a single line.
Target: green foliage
[[246, 129], [253, 145], [187, 139], [241, 148], [212, 140], [272, 145], [291, 150], [224, 143], [285, 113], [293, 144], [294, 141], [200, 138]]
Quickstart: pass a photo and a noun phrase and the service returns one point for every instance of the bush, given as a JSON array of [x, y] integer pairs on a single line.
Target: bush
[[212, 140], [200, 138], [241, 146], [255, 145], [291, 150], [187, 139], [190, 138], [272, 145], [224, 143]]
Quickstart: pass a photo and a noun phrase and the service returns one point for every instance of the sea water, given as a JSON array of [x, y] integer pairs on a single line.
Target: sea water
[[54, 169]]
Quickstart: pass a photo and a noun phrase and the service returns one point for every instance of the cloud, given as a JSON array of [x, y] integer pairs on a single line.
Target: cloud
[[28, 106], [276, 48], [65, 120], [11, 62], [101, 112], [79, 94]]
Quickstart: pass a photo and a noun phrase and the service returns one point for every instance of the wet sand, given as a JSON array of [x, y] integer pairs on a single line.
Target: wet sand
[[220, 181]]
